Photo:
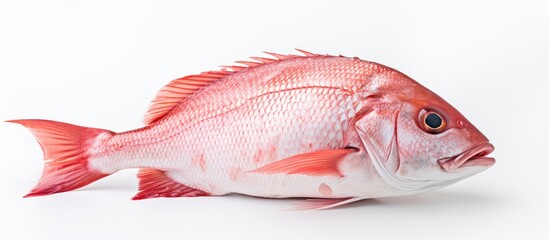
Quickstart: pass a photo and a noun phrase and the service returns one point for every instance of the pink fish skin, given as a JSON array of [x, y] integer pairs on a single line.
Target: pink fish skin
[[332, 128]]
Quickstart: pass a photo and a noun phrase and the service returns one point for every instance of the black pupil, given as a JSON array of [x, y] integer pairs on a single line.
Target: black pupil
[[433, 120]]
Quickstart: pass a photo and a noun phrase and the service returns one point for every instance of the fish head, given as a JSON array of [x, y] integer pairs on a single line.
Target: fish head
[[415, 137], [436, 142]]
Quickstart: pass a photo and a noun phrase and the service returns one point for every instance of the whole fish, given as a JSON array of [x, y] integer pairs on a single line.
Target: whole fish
[[331, 128]]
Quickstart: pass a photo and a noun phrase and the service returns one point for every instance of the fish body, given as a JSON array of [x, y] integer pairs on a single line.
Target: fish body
[[328, 127]]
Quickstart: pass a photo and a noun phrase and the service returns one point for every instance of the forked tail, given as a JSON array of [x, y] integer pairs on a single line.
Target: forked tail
[[66, 153]]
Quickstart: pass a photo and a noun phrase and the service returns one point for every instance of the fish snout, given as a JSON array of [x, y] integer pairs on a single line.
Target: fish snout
[[474, 157]]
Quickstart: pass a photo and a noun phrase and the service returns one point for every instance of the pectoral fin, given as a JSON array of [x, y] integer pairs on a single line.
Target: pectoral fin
[[319, 163]]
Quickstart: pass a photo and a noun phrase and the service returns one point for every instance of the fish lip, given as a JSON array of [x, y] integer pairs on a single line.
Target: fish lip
[[476, 156]]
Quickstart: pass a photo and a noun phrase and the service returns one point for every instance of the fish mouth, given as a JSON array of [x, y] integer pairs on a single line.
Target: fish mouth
[[474, 157]]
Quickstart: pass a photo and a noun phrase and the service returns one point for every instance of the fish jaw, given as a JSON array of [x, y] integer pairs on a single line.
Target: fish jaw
[[474, 157]]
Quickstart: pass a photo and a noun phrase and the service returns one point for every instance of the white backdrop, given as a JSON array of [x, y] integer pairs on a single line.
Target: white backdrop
[[100, 64]]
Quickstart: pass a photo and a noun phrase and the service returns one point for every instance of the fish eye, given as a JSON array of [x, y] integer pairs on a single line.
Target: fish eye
[[432, 122]]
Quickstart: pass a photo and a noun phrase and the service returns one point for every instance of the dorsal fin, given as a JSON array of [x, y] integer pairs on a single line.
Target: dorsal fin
[[174, 92], [170, 95]]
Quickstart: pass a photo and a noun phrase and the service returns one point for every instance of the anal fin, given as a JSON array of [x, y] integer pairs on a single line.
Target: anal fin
[[155, 183]]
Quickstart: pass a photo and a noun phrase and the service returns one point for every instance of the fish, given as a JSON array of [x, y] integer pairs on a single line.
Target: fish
[[330, 129]]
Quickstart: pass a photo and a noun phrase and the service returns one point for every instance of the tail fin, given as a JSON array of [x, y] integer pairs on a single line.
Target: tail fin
[[66, 154]]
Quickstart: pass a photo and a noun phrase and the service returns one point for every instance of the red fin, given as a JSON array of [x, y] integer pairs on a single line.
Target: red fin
[[319, 163], [174, 92], [308, 54], [250, 64], [278, 56], [234, 68], [264, 60], [323, 203], [65, 151], [155, 183]]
